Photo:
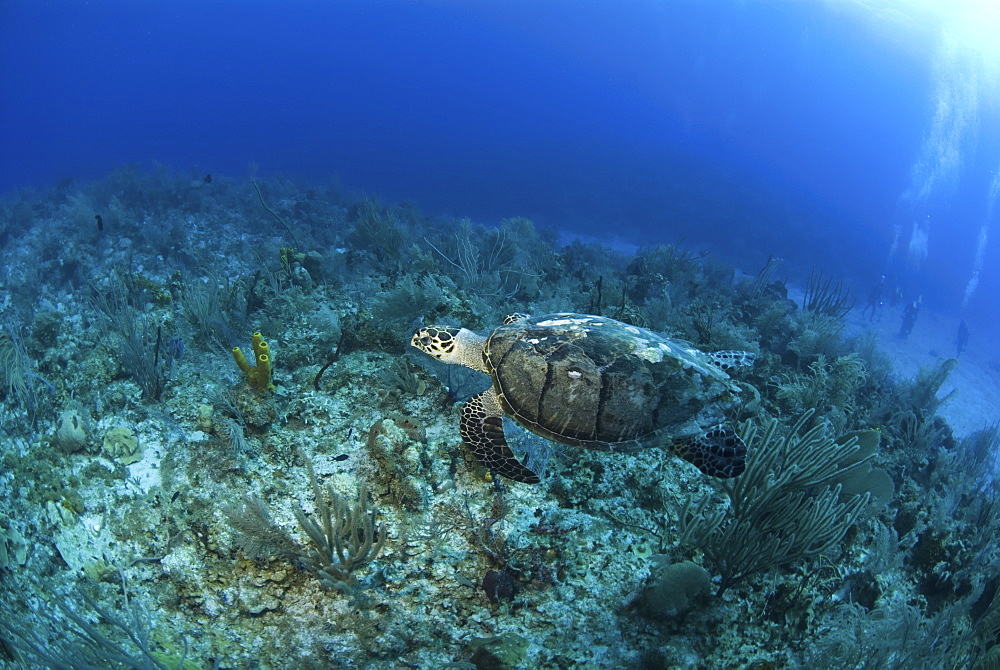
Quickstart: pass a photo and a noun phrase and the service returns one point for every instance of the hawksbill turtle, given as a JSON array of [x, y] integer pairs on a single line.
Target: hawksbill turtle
[[593, 382]]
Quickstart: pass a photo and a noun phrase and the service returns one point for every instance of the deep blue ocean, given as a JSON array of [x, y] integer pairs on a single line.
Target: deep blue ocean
[[862, 138]]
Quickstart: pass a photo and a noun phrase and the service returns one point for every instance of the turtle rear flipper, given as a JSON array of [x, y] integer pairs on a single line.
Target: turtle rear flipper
[[482, 432], [718, 452]]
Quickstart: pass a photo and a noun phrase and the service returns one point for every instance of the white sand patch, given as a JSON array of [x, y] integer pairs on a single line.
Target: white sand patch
[[146, 472]]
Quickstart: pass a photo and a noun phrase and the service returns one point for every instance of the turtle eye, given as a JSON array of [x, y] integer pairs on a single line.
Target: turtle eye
[[424, 341]]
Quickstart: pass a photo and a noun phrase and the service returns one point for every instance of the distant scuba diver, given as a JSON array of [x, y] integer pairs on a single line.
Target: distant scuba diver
[[910, 316], [875, 302], [962, 341], [895, 297]]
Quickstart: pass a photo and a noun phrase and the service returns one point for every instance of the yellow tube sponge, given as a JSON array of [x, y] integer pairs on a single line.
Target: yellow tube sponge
[[241, 361], [263, 381], [258, 344], [258, 375]]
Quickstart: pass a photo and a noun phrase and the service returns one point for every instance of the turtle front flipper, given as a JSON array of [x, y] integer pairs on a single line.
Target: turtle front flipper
[[482, 432], [718, 452]]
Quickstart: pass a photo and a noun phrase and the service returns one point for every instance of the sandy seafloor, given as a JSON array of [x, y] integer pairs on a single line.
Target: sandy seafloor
[[974, 384]]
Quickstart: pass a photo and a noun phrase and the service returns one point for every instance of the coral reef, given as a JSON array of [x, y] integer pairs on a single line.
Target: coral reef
[[332, 518]]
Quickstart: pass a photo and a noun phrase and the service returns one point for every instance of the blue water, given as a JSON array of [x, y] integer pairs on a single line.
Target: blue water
[[785, 128]]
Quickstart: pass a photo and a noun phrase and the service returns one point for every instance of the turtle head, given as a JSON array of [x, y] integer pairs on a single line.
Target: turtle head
[[451, 345], [437, 341]]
